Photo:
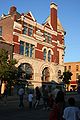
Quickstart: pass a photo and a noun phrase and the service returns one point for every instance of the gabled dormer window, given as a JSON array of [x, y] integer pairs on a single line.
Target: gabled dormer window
[[0, 30], [28, 29], [47, 37], [25, 30]]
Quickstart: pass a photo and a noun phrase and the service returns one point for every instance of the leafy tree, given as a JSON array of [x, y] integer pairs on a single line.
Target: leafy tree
[[67, 77], [8, 71]]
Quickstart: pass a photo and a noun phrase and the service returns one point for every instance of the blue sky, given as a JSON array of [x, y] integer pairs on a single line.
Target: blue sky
[[68, 13]]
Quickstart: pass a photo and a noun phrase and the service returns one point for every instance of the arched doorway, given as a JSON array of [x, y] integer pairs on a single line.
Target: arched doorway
[[25, 71], [45, 74]]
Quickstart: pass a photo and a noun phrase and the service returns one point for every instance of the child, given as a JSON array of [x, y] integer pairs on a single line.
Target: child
[[72, 112]]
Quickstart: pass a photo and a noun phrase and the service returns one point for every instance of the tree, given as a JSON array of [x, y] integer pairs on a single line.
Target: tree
[[67, 77], [8, 71]]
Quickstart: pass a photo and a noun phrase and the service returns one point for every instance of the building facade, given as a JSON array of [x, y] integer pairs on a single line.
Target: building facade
[[38, 48], [74, 68]]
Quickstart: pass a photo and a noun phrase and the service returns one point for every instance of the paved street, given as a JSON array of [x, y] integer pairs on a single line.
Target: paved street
[[10, 111]]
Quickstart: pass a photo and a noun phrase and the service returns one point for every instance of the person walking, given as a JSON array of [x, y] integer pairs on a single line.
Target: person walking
[[45, 99], [30, 99], [38, 96], [56, 112], [21, 94], [71, 112]]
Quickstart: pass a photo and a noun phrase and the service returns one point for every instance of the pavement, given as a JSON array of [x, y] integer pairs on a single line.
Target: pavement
[[9, 110]]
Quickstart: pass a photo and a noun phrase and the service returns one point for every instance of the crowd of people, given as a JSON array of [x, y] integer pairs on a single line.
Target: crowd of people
[[54, 101]]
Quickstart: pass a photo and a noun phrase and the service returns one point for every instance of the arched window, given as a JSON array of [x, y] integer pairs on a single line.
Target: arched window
[[25, 70], [49, 55], [44, 54], [45, 74]]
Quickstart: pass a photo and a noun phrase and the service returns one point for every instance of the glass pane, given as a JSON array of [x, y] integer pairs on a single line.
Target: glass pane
[[0, 31], [31, 50], [27, 49], [44, 54], [30, 32], [49, 55], [25, 30], [21, 47]]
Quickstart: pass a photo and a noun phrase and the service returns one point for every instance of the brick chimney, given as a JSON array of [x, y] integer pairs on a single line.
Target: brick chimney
[[12, 10], [53, 16]]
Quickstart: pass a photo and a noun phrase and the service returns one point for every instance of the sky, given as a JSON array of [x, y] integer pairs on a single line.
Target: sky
[[68, 14]]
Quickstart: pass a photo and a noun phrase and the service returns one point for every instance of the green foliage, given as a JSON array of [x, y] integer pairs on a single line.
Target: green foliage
[[8, 71], [67, 77]]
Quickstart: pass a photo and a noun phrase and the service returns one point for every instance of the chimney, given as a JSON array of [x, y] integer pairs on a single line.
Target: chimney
[[53, 16], [12, 10]]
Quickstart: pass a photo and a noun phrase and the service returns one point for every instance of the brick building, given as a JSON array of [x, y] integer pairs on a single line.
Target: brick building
[[38, 48], [74, 68]]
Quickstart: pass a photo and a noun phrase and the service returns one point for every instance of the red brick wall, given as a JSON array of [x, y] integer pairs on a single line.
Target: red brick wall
[[38, 54], [17, 48], [7, 29], [53, 15]]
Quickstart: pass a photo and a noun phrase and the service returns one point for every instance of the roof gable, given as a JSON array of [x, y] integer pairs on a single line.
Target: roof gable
[[30, 16]]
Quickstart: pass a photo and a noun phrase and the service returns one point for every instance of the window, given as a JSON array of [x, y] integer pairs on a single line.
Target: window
[[27, 49], [28, 29], [77, 67], [69, 68], [21, 47], [31, 50], [44, 54], [0, 30], [77, 74], [65, 68], [47, 37], [25, 30], [49, 55], [59, 72]]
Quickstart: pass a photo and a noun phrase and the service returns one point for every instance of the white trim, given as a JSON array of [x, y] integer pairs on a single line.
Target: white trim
[[28, 40], [32, 16], [26, 20], [17, 26], [41, 38], [53, 6], [50, 31]]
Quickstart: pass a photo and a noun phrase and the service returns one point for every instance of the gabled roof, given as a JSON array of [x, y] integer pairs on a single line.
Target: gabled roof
[[48, 25], [30, 16], [59, 26]]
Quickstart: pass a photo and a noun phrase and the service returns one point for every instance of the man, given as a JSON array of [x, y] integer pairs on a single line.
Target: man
[[21, 94]]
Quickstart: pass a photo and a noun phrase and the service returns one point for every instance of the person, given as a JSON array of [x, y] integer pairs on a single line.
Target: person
[[55, 91], [58, 107], [50, 101], [21, 94], [71, 112], [5, 94], [30, 99], [38, 96], [45, 99]]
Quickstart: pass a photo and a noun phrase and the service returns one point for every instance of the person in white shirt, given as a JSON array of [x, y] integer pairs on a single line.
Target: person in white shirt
[[21, 94], [30, 99], [71, 112]]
